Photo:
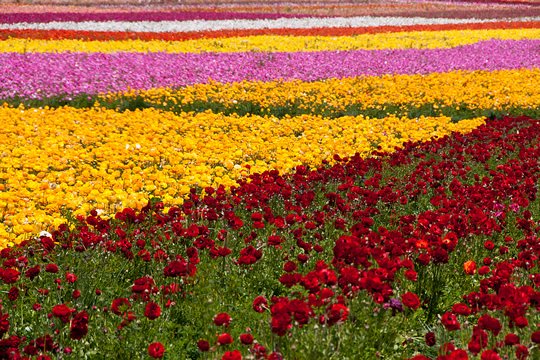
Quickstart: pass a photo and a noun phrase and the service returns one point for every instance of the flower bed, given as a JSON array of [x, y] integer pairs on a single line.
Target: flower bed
[[252, 187]]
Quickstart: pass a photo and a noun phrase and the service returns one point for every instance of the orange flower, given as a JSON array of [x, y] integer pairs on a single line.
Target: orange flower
[[422, 244], [469, 267]]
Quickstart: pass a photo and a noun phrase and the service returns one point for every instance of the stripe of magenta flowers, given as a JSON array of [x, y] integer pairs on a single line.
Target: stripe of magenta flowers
[[122, 35], [31, 17], [41, 75]]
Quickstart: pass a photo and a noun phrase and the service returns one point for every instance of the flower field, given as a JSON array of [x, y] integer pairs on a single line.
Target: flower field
[[339, 181]]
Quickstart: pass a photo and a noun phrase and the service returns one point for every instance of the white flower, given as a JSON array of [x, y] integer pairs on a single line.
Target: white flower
[[45, 234]]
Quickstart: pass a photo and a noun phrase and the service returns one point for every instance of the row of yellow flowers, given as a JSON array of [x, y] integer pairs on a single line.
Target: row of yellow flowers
[[477, 89], [67, 158], [395, 40]]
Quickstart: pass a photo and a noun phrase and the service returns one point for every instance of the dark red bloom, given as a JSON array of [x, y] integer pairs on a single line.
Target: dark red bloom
[[246, 339], [13, 293], [156, 350], [176, 268], [535, 337], [152, 310], [511, 339], [222, 319], [32, 272], [203, 345], [430, 339], [51, 268], [79, 326]]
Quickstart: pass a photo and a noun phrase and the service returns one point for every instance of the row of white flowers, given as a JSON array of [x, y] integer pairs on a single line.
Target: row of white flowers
[[202, 25]]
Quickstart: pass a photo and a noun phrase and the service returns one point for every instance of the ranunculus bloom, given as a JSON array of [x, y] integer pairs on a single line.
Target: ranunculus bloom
[[535, 337], [156, 350], [51, 268], [224, 339], [469, 267], [79, 326], [410, 300], [260, 304], [222, 319], [232, 355], [120, 305], [63, 312], [450, 321], [246, 339], [430, 339], [152, 310], [203, 345]]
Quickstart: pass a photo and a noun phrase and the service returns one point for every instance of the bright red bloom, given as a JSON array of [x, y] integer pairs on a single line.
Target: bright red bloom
[[232, 355], [9, 276], [156, 350], [490, 355], [410, 300], [222, 319], [450, 321], [260, 304], [120, 306], [71, 278], [79, 326], [224, 339], [152, 310], [63, 312]]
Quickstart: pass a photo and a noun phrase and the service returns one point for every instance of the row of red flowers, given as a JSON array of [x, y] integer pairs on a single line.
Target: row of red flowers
[[442, 236], [325, 31]]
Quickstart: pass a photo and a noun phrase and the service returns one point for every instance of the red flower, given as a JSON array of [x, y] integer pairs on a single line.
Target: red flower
[[79, 326], [63, 312], [260, 304], [535, 337], [203, 345], [32, 272], [156, 350], [224, 339], [490, 355], [222, 319], [232, 355], [9, 275], [176, 268], [120, 306], [511, 339], [152, 310], [450, 321], [51, 268], [246, 339], [71, 278], [410, 300], [461, 309], [430, 339], [13, 293]]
